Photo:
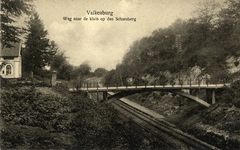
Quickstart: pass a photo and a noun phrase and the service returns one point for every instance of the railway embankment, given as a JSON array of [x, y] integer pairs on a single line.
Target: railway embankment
[[52, 118], [218, 125]]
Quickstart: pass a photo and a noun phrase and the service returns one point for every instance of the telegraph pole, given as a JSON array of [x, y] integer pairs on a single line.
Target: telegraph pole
[[178, 44]]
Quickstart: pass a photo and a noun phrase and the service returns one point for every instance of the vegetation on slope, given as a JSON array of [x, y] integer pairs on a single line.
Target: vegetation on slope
[[45, 118], [209, 41], [218, 125]]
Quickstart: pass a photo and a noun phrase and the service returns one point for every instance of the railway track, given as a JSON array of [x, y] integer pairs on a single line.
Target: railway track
[[161, 130]]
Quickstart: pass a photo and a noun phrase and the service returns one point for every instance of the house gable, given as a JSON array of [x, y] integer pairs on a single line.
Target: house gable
[[11, 62]]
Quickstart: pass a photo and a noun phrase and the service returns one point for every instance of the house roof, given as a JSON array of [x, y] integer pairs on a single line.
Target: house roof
[[13, 51]]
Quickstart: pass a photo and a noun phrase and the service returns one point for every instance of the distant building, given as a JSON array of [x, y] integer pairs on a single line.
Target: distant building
[[11, 61]]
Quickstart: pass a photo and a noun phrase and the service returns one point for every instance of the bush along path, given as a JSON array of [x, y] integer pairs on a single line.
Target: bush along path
[[41, 118]]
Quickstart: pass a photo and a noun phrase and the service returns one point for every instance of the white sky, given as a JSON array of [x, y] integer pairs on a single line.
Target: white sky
[[104, 43]]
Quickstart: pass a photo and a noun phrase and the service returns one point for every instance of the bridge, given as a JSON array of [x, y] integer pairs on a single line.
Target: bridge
[[182, 90]]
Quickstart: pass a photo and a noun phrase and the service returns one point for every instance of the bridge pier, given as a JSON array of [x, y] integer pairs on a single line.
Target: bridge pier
[[98, 96], [213, 97], [191, 92], [210, 93], [105, 97], [90, 95]]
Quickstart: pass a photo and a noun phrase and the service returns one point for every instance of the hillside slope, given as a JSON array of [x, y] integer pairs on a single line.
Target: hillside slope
[[218, 125]]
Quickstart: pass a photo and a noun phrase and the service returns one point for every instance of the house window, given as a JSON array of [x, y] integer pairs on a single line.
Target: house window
[[8, 69]]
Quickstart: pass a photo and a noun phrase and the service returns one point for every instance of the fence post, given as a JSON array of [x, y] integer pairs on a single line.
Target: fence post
[[53, 80]]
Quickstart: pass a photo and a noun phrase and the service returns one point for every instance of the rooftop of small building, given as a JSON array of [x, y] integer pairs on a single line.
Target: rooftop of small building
[[11, 51]]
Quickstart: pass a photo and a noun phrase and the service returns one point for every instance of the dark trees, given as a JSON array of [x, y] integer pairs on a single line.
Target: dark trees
[[10, 11], [99, 72], [80, 73], [210, 41], [60, 64], [37, 53]]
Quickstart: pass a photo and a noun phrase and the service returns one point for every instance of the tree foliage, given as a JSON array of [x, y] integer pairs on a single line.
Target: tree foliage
[[208, 41], [80, 73], [38, 52], [99, 72], [60, 64], [10, 12]]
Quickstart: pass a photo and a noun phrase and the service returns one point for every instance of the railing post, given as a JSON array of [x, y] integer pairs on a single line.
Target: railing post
[[206, 80], [190, 82], [97, 85], [198, 84], [87, 86]]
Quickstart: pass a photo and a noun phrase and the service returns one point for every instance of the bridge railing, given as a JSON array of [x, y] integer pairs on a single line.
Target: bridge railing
[[188, 81]]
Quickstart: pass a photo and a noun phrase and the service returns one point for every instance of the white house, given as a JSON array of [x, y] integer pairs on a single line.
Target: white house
[[11, 61]]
